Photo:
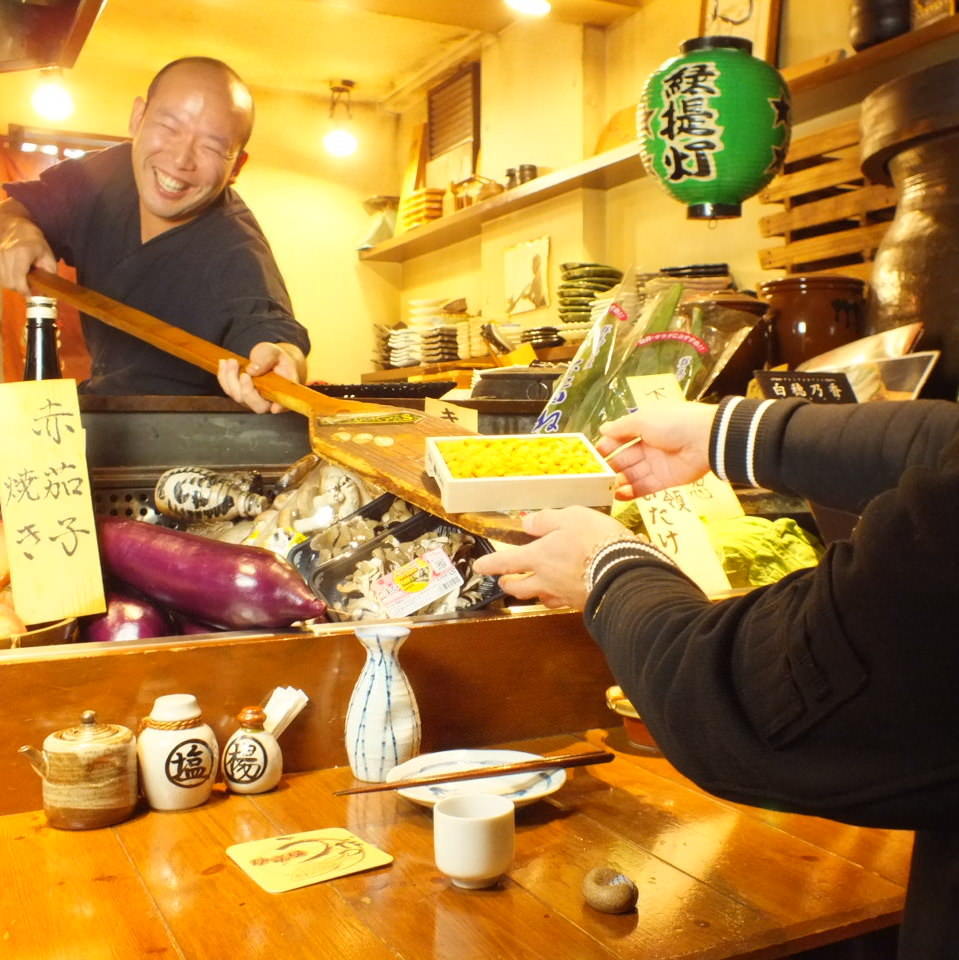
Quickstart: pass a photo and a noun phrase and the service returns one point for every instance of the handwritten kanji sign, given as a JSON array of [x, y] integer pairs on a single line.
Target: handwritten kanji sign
[[673, 526], [674, 517], [45, 500], [710, 497]]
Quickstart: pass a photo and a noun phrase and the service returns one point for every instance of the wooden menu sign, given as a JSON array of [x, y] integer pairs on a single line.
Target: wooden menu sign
[[46, 504]]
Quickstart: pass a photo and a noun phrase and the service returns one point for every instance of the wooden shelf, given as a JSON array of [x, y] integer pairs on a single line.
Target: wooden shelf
[[551, 354], [818, 89], [601, 172], [428, 369]]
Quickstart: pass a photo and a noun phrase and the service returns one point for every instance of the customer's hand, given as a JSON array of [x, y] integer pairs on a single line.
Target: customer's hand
[[284, 359], [552, 568], [674, 449]]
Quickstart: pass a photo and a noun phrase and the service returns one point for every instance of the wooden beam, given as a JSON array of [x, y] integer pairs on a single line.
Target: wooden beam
[[491, 16]]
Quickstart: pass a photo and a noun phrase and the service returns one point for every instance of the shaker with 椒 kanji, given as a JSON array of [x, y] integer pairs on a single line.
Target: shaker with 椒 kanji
[[42, 358], [178, 754], [252, 761]]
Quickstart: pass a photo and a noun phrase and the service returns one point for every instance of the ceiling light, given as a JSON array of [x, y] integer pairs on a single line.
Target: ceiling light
[[532, 8], [51, 99], [340, 141]]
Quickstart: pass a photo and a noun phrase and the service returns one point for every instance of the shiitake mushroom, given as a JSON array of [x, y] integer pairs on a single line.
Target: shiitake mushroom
[[608, 890]]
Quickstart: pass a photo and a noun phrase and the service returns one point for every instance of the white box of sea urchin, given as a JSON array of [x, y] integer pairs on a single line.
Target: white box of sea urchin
[[524, 491]]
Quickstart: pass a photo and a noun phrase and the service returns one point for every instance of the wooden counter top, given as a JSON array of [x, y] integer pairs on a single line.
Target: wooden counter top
[[716, 880]]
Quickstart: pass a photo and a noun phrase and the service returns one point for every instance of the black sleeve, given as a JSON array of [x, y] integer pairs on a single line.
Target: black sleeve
[[57, 201], [839, 455], [252, 300], [831, 692]]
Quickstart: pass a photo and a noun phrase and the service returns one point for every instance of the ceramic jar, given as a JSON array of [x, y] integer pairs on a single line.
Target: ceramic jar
[[810, 315], [252, 761], [178, 754], [382, 719], [910, 140], [872, 21], [89, 774]]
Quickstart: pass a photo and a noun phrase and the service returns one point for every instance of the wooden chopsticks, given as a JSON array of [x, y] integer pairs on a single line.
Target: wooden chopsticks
[[623, 446], [520, 766]]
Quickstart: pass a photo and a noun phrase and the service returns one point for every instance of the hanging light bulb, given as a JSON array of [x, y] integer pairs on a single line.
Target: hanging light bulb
[[532, 8], [51, 99], [340, 141]]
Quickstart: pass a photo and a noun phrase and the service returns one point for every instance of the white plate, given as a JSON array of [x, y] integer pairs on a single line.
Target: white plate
[[521, 788]]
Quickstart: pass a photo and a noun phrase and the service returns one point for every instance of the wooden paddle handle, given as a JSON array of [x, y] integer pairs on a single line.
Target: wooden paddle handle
[[173, 340]]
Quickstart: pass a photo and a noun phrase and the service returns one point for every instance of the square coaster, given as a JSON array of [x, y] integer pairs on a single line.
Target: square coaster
[[296, 860]]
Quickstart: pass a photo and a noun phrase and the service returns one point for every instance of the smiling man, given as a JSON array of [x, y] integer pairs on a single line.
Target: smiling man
[[156, 224]]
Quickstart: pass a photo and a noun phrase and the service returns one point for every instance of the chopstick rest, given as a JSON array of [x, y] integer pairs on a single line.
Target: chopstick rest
[[521, 766]]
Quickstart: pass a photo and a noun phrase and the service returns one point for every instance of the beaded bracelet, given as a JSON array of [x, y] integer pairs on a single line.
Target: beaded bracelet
[[633, 546]]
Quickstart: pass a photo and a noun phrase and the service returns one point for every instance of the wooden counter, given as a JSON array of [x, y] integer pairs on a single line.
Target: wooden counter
[[716, 880], [478, 681]]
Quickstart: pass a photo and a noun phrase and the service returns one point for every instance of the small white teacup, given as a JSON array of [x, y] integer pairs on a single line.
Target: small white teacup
[[473, 838]]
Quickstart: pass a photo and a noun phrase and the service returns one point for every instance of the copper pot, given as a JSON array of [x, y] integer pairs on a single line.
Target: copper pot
[[810, 315]]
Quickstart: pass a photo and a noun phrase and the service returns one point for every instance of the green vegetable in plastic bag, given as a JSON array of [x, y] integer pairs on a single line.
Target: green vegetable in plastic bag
[[597, 355], [756, 551]]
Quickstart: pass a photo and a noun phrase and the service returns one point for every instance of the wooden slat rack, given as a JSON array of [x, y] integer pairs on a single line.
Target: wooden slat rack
[[832, 218]]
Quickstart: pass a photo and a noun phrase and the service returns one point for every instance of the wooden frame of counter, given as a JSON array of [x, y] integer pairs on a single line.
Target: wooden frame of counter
[[478, 681]]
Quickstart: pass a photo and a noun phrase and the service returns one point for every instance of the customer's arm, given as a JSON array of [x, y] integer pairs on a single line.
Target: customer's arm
[[831, 692]]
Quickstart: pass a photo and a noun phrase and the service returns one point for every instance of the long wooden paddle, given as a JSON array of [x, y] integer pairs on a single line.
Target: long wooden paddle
[[381, 443]]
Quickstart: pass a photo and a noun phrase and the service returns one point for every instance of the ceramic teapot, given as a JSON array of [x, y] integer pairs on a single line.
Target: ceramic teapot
[[89, 774]]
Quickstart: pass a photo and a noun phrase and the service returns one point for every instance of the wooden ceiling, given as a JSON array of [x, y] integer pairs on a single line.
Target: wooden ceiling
[[302, 45]]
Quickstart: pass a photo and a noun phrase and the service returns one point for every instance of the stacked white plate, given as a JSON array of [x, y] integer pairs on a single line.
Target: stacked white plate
[[405, 349], [476, 345], [425, 314]]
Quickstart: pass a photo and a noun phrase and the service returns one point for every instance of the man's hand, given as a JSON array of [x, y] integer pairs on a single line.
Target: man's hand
[[285, 359], [22, 247]]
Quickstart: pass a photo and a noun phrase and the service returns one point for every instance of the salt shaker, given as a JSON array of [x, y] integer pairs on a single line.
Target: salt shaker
[[178, 754], [252, 761]]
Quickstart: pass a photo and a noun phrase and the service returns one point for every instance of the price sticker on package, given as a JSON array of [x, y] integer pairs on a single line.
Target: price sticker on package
[[417, 584]]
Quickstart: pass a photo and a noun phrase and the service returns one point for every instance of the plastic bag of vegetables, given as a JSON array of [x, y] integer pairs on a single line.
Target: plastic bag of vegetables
[[596, 357], [691, 338], [609, 396]]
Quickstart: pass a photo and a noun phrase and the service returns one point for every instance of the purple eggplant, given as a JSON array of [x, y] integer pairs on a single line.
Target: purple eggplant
[[186, 626], [227, 583], [128, 616]]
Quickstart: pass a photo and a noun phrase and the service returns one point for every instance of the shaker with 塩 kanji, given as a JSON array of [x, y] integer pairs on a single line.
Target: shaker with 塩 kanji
[[178, 754]]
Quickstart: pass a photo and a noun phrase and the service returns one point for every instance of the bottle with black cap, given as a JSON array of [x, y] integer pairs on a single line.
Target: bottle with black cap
[[43, 358]]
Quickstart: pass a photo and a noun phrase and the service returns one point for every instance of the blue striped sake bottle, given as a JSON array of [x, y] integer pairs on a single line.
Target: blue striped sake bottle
[[382, 720]]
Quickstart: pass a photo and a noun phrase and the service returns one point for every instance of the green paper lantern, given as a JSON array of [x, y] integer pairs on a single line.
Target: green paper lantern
[[714, 124]]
